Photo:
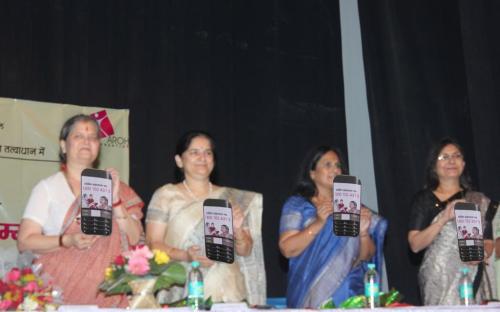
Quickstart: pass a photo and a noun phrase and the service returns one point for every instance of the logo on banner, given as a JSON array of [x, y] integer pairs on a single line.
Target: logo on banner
[[104, 123]]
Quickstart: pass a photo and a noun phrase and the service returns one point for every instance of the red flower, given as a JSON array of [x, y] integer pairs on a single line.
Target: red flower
[[3, 287], [26, 271], [47, 299], [120, 260]]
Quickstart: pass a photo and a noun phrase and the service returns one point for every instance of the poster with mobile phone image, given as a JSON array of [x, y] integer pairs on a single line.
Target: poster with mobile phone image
[[469, 232], [96, 202], [346, 205], [219, 234]]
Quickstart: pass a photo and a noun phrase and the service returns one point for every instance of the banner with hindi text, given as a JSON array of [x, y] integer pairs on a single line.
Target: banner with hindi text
[[29, 151]]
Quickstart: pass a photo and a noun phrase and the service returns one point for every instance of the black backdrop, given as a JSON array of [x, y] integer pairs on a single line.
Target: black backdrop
[[265, 78]]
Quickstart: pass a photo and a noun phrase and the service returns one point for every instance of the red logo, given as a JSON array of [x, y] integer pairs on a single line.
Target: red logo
[[104, 123]]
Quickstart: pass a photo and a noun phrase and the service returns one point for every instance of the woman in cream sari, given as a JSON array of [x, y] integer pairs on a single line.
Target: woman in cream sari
[[175, 224]]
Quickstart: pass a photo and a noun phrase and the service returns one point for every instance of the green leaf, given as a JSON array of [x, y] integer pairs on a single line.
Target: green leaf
[[354, 302], [207, 305], [122, 288], [157, 269], [329, 304], [391, 297], [119, 286], [173, 274]]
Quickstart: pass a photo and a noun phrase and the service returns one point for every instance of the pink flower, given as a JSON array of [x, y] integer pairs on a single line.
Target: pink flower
[[5, 304], [138, 265], [142, 251], [31, 287], [13, 275]]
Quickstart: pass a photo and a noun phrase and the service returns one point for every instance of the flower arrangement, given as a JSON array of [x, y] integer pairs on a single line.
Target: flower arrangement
[[25, 290], [142, 263]]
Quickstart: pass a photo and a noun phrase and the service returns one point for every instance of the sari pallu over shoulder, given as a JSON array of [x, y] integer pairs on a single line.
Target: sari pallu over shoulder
[[325, 269], [252, 266], [79, 272], [439, 272], [223, 282]]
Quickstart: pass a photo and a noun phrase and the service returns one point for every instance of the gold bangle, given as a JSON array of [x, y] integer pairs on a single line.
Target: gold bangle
[[122, 218]]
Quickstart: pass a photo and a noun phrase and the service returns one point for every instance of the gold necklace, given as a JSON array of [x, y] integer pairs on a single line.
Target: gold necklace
[[191, 192]]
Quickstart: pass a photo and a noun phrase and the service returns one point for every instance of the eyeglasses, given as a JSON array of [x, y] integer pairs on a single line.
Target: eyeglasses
[[446, 157]]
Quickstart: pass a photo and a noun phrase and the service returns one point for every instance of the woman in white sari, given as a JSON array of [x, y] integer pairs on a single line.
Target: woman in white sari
[[175, 224]]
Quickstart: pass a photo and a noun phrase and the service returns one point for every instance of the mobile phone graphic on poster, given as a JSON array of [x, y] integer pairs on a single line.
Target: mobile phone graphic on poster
[[219, 233], [346, 205], [469, 232], [96, 202]]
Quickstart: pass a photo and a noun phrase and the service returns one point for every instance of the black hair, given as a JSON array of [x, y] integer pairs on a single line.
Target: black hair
[[68, 127], [182, 146], [305, 186], [432, 180]]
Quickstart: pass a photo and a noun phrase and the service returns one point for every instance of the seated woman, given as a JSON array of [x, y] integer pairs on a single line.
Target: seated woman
[[321, 264], [174, 223], [433, 228], [51, 222]]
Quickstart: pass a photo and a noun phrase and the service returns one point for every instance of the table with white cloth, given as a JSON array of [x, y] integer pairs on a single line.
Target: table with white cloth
[[229, 307]]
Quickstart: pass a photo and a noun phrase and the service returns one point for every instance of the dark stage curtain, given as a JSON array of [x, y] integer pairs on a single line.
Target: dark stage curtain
[[432, 70], [264, 77]]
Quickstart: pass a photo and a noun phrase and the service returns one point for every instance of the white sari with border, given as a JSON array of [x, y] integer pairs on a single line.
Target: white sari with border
[[245, 279]]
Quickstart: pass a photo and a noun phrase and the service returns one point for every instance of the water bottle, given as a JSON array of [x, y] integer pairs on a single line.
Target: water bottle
[[465, 288], [372, 287], [195, 287]]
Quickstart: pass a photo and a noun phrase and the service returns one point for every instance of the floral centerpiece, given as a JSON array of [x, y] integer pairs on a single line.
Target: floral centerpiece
[[142, 272], [24, 290]]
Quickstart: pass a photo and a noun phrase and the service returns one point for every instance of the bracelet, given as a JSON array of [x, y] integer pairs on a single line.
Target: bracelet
[[61, 244], [118, 203], [122, 218]]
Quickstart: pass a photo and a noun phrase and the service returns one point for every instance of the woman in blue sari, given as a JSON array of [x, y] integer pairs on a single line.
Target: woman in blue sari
[[321, 264]]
